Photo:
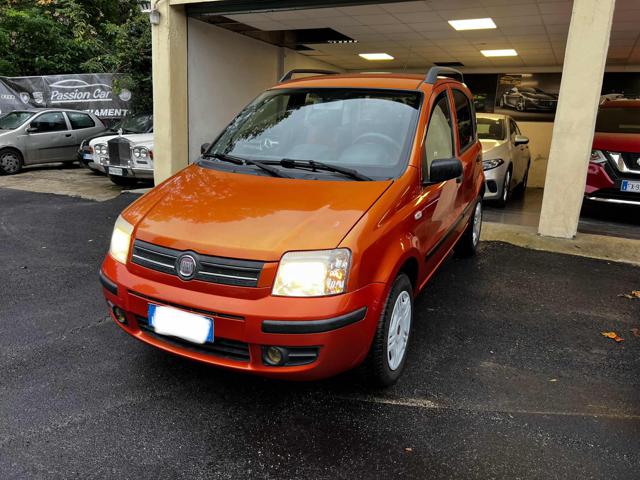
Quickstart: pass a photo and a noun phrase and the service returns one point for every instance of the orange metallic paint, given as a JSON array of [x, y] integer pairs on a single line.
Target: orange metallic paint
[[260, 218]]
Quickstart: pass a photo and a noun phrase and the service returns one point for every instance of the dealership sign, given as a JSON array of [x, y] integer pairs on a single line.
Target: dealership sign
[[92, 92]]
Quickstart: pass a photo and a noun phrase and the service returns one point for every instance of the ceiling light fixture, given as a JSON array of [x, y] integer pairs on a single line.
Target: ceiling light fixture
[[473, 24], [507, 52], [376, 56]]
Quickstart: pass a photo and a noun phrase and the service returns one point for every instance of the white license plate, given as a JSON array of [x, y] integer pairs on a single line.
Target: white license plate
[[116, 171], [178, 323], [630, 186], [87, 156]]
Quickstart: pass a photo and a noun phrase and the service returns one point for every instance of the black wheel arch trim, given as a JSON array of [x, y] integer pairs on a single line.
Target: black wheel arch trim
[[313, 326], [110, 286]]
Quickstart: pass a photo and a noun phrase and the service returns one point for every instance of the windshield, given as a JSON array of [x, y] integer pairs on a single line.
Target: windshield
[[490, 128], [142, 123], [368, 131], [14, 120], [618, 120]]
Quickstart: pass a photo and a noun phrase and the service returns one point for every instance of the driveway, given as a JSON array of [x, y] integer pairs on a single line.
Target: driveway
[[508, 375]]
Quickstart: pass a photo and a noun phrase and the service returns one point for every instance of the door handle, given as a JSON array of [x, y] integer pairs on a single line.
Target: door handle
[[67, 134]]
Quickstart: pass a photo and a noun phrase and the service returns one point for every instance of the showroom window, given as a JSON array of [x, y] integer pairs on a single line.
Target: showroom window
[[465, 119], [80, 120], [49, 122], [439, 141]]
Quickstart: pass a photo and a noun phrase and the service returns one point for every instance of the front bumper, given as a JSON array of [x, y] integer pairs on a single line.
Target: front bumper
[[144, 173], [603, 185], [340, 328], [494, 181]]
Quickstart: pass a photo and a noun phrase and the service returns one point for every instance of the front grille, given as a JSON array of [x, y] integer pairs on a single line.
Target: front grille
[[615, 193], [119, 151], [631, 160], [225, 271], [221, 347]]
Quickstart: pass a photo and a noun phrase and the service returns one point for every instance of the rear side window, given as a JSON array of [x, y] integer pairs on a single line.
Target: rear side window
[[80, 120], [439, 141], [465, 119], [49, 122]]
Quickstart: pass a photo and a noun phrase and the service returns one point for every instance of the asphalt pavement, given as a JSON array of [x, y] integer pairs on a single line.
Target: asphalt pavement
[[508, 375]]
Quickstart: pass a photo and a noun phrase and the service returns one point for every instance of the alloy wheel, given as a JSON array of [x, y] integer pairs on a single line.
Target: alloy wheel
[[505, 187], [399, 328], [477, 224]]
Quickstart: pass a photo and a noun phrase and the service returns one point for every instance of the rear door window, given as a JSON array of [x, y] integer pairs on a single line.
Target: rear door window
[[80, 120], [465, 119]]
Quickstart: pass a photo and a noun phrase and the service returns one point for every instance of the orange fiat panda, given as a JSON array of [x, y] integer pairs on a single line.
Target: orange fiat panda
[[295, 246]]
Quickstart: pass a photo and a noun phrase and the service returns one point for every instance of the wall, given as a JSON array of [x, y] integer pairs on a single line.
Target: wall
[[226, 71], [539, 134]]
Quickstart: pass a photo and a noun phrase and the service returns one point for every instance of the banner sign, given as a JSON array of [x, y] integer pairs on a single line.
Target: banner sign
[[92, 92]]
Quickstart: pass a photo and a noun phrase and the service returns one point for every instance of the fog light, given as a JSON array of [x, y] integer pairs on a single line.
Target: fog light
[[119, 314], [275, 356]]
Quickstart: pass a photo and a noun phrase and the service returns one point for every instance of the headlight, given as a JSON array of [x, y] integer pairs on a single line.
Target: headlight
[[121, 240], [313, 274], [597, 157], [101, 149], [492, 163]]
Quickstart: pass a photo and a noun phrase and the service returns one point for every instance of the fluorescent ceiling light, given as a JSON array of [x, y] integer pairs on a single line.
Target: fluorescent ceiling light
[[376, 56], [472, 24], [507, 52]]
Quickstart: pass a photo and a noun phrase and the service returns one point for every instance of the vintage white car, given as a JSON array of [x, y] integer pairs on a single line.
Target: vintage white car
[[125, 153]]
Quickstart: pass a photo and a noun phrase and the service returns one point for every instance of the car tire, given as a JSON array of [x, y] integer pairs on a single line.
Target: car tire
[[11, 161], [123, 181], [385, 366], [522, 188], [520, 106], [506, 190], [468, 243]]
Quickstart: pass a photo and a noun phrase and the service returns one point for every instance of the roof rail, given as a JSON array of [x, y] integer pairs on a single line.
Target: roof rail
[[291, 73], [432, 75]]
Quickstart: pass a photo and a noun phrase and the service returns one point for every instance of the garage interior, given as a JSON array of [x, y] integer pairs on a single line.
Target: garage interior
[[208, 82]]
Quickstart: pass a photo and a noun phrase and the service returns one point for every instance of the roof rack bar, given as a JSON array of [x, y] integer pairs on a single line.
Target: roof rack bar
[[291, 73], [432, 75]]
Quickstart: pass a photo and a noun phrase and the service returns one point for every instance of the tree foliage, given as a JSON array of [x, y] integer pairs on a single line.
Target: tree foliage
[[46, 37]]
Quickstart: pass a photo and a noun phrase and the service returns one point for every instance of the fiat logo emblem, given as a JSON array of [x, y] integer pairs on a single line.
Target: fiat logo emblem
[[186, 267]]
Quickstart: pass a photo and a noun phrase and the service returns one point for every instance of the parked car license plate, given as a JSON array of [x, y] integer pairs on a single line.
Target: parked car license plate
[[88, 156], [178, 323], [630, 186], [116, 171]]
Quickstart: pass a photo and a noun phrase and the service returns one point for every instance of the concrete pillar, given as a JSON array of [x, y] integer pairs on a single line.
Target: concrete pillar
[[170, 115], [584, 63]]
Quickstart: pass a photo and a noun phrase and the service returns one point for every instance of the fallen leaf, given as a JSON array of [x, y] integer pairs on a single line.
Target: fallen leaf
[[632, 295], [408, 449], [613, 336], [553, 380]]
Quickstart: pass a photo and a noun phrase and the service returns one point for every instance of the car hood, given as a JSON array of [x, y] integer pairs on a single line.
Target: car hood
[[134, 138], [539, 96], [488, 145], [617, 142], [251, 217]]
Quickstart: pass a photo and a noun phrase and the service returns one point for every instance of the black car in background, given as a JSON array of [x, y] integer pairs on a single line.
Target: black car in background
[[529, 98]]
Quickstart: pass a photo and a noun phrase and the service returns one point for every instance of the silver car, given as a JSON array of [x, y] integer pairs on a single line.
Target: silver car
[[29, 137], [506, 156]]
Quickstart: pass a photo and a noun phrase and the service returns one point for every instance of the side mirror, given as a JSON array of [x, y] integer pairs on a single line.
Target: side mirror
[[444, 169], [204, 147], [31, 129], [520, 140]]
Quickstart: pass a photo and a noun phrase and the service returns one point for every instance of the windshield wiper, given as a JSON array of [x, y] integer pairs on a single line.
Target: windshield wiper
[[314, 165], [245, 161]]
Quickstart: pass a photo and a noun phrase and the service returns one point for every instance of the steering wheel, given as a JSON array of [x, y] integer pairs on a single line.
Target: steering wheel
[[378, 138]]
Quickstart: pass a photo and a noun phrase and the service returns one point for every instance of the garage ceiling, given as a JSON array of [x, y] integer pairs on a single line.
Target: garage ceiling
[[417, 34]]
